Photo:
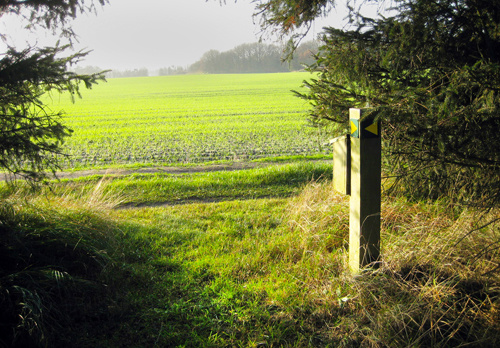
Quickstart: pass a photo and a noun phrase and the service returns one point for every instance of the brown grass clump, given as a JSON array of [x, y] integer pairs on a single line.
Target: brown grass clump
[[438, 285], [319, 212]]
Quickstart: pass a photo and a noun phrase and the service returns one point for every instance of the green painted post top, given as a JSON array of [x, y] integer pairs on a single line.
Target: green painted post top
[[363, 128]]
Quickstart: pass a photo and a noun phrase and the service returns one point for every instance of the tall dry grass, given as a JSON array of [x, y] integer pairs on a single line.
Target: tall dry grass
[[438, 285]]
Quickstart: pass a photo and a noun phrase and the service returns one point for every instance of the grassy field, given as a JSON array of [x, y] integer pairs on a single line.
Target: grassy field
[[255, 258], [188, 119], [248, 258]]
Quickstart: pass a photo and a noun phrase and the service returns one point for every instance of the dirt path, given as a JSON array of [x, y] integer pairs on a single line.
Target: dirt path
[[160, 169], [167, 170]]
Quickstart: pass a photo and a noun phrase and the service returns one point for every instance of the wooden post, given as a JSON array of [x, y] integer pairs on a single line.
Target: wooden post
[[342, 164], [364, 219]]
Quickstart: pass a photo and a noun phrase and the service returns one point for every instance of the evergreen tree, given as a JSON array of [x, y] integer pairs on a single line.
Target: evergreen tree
[[31, 133], [431, 73]]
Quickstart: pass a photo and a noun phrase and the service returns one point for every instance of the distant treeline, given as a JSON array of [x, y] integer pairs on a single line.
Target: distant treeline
[[246, 58], [254, 58], [112, 73], [128, 73]]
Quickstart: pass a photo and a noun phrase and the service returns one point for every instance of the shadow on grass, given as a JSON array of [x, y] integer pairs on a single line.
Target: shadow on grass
[[52, 274]]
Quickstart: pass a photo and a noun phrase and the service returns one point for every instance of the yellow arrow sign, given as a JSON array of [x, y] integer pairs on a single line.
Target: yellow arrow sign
[[373, 128], [353, 128]]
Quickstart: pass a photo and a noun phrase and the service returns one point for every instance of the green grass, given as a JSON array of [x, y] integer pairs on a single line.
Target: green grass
[[256, 272], [188, 119], [281, 180]]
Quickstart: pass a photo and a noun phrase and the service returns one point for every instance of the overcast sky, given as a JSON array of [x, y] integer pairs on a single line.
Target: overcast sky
[[129, 34]]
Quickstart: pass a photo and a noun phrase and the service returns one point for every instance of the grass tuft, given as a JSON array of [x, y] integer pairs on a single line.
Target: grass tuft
[[319, 213]]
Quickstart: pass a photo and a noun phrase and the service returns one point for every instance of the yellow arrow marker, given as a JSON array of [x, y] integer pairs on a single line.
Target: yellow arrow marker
[[373, 128], [353, 128]]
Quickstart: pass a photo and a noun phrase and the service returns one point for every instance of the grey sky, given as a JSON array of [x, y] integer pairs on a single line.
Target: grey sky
[[161, 33], [127, 34]]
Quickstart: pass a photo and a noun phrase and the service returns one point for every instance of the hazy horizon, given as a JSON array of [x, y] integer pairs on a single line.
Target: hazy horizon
[[159, 33]]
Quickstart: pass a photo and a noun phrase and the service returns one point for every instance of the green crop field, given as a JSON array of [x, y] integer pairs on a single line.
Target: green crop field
[[188, 119]]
